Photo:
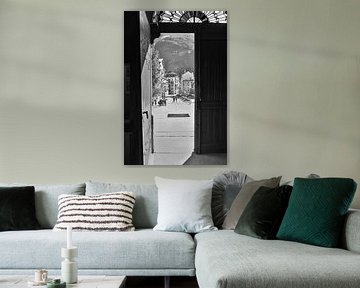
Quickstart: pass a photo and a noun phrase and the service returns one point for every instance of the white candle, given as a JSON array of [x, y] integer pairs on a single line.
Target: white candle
[[69, 239]]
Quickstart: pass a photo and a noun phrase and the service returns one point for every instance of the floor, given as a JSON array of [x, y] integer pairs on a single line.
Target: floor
[[158, 282], [207, 159], [173, 136]]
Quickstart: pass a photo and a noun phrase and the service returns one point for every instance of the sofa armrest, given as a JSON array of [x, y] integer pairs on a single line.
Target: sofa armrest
[[351, 234]]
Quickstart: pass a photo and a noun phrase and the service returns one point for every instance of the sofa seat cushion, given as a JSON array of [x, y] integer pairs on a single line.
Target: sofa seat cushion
[[226, 259], [142, 249]]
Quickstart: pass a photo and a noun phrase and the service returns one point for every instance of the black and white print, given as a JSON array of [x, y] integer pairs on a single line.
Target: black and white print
[[175, 87]]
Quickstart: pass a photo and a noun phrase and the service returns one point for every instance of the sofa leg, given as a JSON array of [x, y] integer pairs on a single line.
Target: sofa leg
[[167, 282]]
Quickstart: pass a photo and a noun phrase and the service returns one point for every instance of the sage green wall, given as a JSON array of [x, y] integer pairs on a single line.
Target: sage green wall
[[294, 89]]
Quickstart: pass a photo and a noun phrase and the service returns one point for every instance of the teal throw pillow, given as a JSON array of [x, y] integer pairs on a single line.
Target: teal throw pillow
[[316, 211]]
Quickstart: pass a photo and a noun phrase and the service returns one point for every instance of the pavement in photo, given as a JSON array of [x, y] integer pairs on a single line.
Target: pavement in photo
[[174, 136]]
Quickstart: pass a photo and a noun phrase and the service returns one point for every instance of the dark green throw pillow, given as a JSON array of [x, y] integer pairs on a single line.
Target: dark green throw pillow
[[316, 211], [17, 208], [264, 213]]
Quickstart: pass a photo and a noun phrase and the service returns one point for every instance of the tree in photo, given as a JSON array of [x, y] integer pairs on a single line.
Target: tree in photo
[[158, 73]]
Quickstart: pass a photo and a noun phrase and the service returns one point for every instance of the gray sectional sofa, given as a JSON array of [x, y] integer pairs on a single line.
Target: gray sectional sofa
[[219, 259]]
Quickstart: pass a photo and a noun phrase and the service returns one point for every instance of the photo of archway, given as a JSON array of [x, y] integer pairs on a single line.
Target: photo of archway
[[175, 88]]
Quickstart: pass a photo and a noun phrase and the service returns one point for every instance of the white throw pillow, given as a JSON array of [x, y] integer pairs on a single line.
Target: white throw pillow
[[184, 205]]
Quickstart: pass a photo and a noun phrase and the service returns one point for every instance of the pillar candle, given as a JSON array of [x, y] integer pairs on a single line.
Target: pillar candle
[[69, 237]]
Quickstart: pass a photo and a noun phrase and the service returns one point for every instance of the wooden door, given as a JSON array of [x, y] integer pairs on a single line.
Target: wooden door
[[211, 89], [137, 84]]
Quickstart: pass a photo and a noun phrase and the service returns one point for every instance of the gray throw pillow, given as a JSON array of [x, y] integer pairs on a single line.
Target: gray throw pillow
[[226, 187], [184, 205], [243, 198], [310, 176]]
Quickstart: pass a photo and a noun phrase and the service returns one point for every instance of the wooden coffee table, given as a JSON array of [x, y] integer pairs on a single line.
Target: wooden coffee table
[[84, 281]]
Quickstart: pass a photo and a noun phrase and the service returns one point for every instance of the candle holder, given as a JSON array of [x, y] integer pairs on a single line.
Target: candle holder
[[69, 271]]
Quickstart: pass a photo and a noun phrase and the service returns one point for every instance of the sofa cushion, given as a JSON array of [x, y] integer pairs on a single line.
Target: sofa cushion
[[184, 205], [17, 208], [105, 212], [137, 250], [46, 200], [317, 209], [350, 239], [225, 259], [263, 214], [225, 189], [243, 198], [146, 205]]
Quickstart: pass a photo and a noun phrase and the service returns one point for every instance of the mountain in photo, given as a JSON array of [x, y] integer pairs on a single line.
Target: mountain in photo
[[177, 50]]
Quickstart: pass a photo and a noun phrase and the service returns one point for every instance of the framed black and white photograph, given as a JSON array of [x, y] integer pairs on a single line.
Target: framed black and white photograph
[[175, 98]]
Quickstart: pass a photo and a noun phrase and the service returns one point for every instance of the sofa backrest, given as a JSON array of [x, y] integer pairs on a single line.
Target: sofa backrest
[[146, 203], [46, 200]]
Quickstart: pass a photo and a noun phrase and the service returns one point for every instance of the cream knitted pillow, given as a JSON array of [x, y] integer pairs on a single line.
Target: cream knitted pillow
[[105, 212]]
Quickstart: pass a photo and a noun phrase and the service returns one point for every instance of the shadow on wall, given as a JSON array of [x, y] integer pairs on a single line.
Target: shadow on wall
[[46, 143], [54, 55]]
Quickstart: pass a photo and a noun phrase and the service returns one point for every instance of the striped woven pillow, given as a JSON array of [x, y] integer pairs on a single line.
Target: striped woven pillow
[[105, 212]]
